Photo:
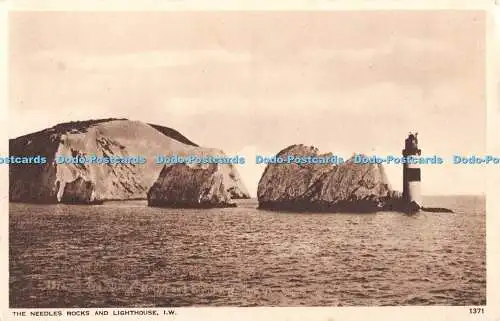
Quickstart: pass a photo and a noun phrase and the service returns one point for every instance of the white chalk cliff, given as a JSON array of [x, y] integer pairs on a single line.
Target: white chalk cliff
[[91, 183]]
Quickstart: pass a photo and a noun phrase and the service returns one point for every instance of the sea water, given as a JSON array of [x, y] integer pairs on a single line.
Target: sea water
[[126, 254]]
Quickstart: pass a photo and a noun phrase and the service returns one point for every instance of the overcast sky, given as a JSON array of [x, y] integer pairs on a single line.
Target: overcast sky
[[255, 83]]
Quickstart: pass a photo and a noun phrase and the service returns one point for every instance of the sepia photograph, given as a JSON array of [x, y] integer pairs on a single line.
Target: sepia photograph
[[247, 159]]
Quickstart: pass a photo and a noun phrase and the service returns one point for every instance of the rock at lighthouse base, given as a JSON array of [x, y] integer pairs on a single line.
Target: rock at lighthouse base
[[413, 207]]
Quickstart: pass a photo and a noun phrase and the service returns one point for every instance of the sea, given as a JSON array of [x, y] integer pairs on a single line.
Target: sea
[[125, 254]]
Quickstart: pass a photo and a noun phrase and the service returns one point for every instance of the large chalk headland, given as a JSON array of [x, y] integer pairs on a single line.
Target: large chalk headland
[[95, 183]]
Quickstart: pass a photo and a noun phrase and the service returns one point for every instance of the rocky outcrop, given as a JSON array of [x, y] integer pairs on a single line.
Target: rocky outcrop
[[52, 182], [198, 186], [326, 187], [79, 191]]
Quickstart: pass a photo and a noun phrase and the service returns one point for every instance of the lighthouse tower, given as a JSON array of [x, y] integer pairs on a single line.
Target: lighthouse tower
[[411, 175]]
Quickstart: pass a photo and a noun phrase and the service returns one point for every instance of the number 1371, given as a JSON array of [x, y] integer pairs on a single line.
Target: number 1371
[[476, 310]]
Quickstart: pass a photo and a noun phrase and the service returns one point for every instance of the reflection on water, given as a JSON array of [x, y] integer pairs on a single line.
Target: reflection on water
[[126, 254]]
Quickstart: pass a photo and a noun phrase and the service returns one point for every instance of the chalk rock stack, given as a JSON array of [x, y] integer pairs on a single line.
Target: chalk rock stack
[[348, 187], [197, 186]]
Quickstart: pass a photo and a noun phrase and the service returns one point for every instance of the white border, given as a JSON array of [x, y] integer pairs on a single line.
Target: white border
[[315, 313]]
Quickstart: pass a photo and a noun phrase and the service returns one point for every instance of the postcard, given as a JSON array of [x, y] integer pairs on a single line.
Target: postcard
[[300, 160]]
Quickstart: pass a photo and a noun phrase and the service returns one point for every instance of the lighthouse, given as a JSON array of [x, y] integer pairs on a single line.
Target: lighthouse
[[411, 175]]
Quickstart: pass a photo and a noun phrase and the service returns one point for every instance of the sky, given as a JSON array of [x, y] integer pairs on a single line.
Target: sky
[[256, 82]]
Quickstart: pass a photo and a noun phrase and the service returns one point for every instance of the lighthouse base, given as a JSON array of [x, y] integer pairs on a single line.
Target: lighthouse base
[[403, 206], [412, 208], [399, 204]]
